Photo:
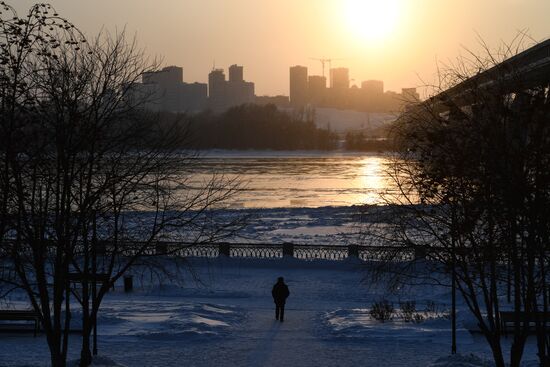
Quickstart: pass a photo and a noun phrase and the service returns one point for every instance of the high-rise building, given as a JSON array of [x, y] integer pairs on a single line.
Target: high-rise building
[[410, 95], [225, 94], [373, 87], [298, 86], [194, 96], [236, 73], [317, 82], [372, 96], [216, 83], [339, 78], [317, 89], [169, 75], [164, 90]]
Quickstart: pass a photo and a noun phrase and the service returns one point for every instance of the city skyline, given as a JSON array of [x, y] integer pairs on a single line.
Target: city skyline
[[165, 90], [197, 34]]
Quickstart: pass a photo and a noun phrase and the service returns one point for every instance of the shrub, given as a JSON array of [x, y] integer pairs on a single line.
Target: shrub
[[382, 310], [431, 307], [436, 310], [408, 310], [417, 318]]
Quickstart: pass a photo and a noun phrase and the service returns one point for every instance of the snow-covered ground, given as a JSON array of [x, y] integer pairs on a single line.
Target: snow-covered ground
[[226, 319], [342, 121]]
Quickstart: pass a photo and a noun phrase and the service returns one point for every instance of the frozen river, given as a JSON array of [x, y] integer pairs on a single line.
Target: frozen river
[[301, 179]]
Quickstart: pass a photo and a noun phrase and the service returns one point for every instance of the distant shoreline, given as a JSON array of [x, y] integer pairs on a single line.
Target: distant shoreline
[[269, 153]]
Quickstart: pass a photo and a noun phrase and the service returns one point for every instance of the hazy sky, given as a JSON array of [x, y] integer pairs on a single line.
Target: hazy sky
[[393, 40]]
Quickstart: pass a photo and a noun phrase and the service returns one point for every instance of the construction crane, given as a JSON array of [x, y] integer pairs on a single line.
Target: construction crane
[[324, 62]]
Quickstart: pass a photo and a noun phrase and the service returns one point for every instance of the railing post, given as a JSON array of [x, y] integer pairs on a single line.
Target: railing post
[[128, 283], [161, 248], [225, 249], [353, 251], [100, 247], [420, 253], [288, 249]]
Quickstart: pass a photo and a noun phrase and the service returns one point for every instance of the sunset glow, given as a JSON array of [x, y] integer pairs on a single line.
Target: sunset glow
[[396, 41], [372, 20], [175, 174]]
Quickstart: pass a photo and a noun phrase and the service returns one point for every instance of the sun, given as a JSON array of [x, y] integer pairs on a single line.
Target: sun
[[372, 20]]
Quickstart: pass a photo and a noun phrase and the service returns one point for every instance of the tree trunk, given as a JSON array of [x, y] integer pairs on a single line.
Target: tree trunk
[[85, 352], [57, 360], [56, 356], [496, 349]]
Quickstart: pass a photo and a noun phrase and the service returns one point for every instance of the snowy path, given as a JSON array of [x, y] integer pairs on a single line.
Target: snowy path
[[299, 341], [277, 342]]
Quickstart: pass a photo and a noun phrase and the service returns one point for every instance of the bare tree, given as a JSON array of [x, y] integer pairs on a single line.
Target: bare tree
[[25, 43], [475, 190], [90, 181]]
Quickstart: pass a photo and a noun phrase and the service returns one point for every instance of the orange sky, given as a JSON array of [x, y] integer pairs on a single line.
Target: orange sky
[[268, 36]]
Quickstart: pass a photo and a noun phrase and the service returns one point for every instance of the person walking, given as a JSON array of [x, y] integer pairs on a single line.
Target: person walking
[[280, 293]]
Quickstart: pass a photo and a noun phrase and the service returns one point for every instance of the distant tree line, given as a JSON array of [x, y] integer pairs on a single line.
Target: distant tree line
[[263, 127], [358, 141], [258, 127]]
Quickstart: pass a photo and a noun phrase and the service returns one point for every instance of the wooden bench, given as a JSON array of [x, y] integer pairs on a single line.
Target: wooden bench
[[20, 315], [508, 319]]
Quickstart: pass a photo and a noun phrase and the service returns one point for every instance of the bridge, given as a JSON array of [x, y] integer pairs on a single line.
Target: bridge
[[527, 70]]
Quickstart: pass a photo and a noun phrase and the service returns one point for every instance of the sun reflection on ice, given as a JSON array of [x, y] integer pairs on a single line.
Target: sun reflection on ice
[[372, 180]]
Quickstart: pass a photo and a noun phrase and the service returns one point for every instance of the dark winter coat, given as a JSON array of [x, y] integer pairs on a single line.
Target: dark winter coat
[[280, 293]]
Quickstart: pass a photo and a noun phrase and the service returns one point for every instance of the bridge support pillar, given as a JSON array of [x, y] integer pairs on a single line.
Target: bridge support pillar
[[288, 250]]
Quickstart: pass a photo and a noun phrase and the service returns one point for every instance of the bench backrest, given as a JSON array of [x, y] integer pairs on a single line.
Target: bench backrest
[[18, 313], [510, 316]]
